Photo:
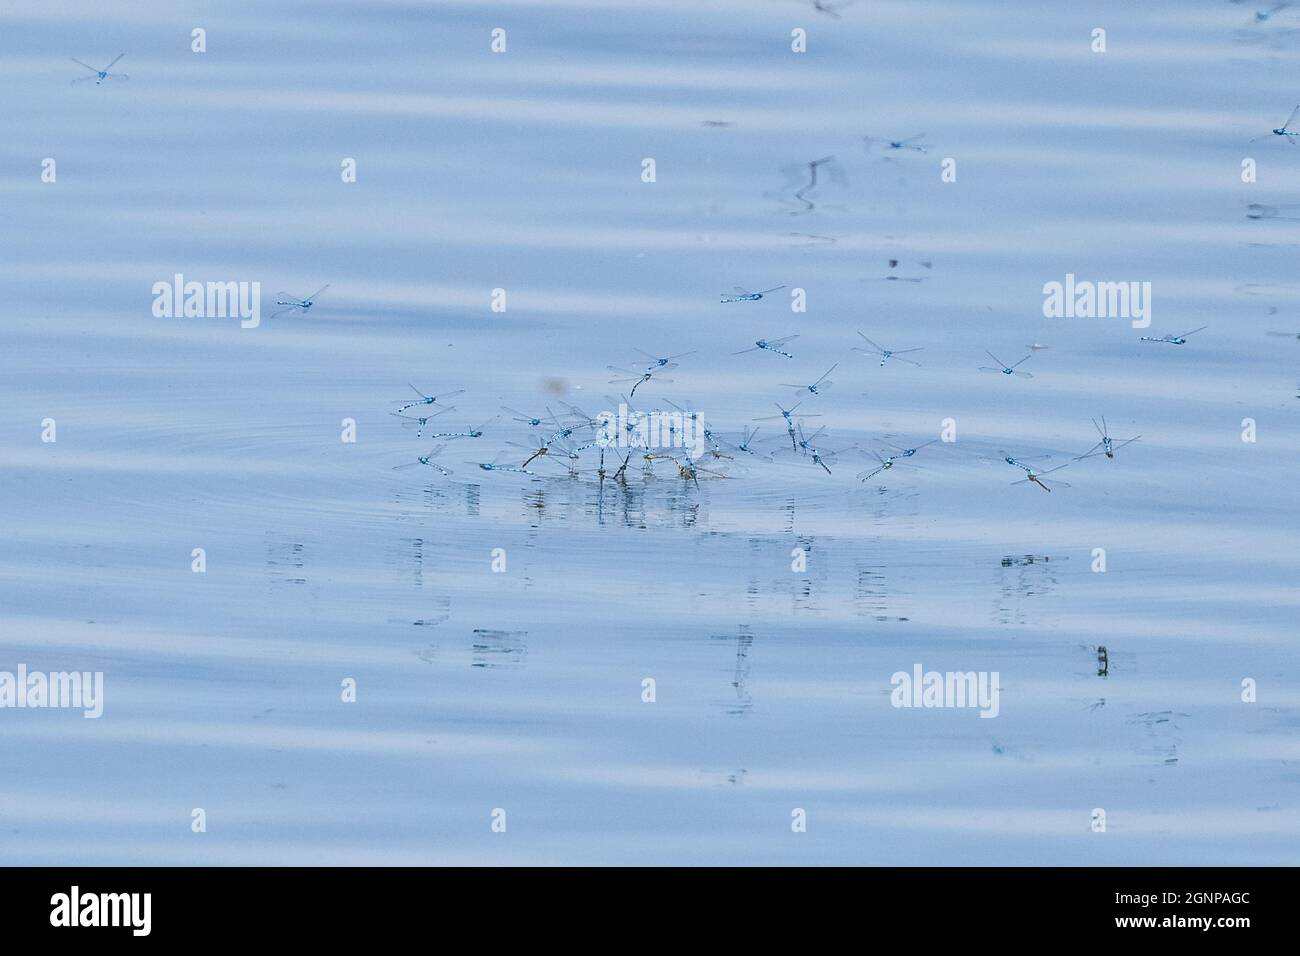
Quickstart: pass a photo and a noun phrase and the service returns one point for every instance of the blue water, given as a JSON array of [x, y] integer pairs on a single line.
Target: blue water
[[522, 690]]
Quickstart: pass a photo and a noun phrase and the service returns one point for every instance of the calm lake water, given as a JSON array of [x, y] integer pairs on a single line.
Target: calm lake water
[[522, 690]]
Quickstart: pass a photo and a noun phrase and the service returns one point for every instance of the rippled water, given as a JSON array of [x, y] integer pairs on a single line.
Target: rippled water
[[522, 690]]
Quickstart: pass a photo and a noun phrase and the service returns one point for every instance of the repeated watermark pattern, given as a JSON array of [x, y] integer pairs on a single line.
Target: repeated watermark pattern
[[922, 688], [37, 690], [656, 429], [1085, 299], [208, 300]]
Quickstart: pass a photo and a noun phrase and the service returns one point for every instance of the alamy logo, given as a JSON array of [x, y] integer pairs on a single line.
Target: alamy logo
[[210, 300], [103, 909], [923, 688], [75, 689], [1101, 300], [656, 429]]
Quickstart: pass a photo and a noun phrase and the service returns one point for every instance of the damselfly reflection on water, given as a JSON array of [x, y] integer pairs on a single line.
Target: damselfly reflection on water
[[829, 8], [801, 194], [1263, 16], [894, 145]]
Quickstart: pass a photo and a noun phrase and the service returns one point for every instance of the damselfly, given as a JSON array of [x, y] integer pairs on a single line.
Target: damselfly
[[744, 295], [821, 457], [426, 399], [697, 422], [583, 419], [495, 465], [770, 345], [817, 387], [690, 471], [292, 303], [1282, 130], [786, 414], [1178, 338], [747, 437], [1107, 446], [661, 363], [1035, 477], [805, 443], [548, 448], [475, 432], [564, 431], [420, 420], [100, 75], [1006, 369], [427, 460], [909, 452], [1020, 462], [640, 378], [533, 420], [885, 465], [887, 354]]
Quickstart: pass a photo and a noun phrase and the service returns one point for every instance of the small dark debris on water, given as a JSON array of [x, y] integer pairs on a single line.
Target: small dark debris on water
[[1011, 560], [493, 648]]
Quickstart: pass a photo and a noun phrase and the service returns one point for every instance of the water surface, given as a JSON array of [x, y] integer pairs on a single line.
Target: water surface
[[522, 690]]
